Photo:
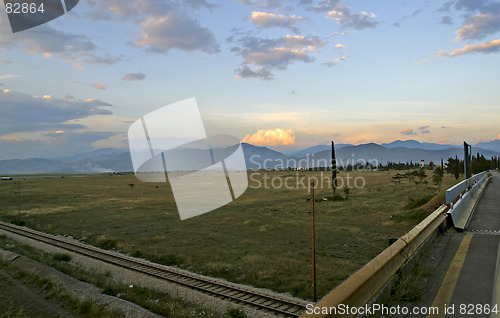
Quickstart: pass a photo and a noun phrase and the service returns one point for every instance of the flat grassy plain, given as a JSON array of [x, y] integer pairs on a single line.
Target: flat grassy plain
[[263, 238]]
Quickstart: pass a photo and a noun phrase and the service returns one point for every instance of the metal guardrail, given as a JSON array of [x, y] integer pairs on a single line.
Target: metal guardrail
[[461, 209], [454, 192], [363, 285]]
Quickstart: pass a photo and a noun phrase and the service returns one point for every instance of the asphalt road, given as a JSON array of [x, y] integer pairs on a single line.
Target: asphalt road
[[467, 282]]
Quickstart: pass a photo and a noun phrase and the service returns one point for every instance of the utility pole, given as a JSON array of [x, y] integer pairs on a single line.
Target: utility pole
[[334, 170], [19, 201], [467, 162], [313, 243]]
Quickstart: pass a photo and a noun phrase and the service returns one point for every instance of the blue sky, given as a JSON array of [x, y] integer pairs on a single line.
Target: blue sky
[[286, 74]]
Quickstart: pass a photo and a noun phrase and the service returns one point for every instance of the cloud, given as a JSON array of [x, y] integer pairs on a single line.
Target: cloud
[[485, 48], [269, 55], [266, 4], [340, 46], [8, 76], [21, 112], [335, 61], [162, 25], [322, 6], [47, 41], [98, 85], [349, 20], [445, 127], [479, 26], [443, 141], [425, 131], [424, 127], [480, 18], [271, 137], [260, 72], [11, 138], [139, 76], [5, 62], [173, 31], [408, 132], [268, 20], [446, 20]]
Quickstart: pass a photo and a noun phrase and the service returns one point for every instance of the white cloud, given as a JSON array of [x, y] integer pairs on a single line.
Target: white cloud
[[268, 20], [340, 46]]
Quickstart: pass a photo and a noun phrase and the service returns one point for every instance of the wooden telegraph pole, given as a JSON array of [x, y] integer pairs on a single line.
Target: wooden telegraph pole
[[313, 244], [334, 170]]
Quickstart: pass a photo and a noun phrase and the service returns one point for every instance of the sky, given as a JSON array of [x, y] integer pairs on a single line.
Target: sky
[[277, 73]]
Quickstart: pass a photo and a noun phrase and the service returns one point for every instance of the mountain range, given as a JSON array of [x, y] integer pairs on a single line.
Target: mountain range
[[118, 160]]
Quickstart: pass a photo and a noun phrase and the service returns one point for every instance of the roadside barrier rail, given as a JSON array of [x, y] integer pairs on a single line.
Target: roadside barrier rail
[[363, 285]]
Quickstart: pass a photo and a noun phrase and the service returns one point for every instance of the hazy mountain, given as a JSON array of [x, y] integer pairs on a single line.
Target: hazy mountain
[[315, 149], [380, 154], [86, 155], [490, 145], [413, 144], [109, 160], [34, 166]]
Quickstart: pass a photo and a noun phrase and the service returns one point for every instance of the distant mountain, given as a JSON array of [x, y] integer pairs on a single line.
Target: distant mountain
[[490, 145], [118, 160], [34, 166], [86, 155], [315, 149], [413, 144], [380, 154]]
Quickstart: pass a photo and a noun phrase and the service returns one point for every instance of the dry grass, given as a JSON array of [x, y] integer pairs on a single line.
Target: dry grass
[[262, 238]]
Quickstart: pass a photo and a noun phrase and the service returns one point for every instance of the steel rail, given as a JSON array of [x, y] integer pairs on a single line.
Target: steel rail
[[238, 294]]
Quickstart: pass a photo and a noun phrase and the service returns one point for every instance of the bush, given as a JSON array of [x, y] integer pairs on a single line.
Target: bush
[[415, 203], [234, 312], [62, 257]]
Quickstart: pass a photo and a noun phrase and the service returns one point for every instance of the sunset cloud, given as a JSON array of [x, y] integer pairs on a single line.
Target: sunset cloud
[[271, 137], [98, 85], [11, 138], [407, 132], [485, 48]]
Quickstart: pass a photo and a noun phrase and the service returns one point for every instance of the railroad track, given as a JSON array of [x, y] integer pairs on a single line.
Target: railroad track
[[237, 294]]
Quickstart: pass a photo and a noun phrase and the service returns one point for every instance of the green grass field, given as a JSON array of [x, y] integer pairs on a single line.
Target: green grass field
[[262, 239]]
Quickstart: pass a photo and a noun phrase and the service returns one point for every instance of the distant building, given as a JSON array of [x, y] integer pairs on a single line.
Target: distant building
[[422, 163]]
